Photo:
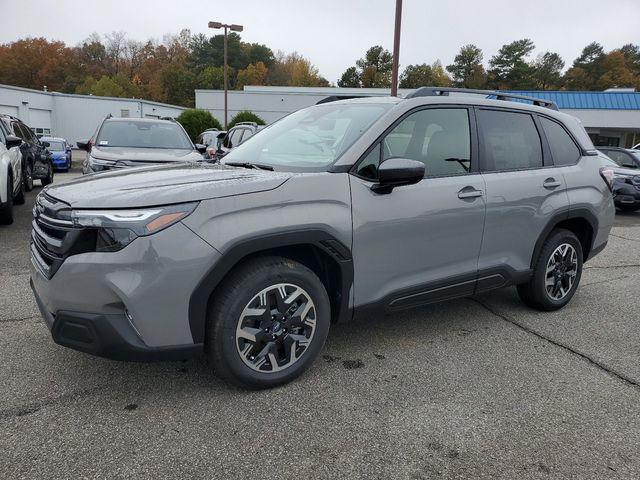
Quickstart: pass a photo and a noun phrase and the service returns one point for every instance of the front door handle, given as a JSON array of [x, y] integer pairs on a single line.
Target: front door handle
[[551, 183], [469, 192]]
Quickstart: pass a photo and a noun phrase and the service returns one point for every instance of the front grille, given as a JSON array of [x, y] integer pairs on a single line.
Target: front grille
[[53, 236]]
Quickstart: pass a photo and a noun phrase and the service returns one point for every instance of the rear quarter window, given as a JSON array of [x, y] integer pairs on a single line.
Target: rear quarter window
[[563, 149]]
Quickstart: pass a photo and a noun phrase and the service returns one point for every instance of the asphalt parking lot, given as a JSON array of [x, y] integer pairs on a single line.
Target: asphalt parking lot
[[476, 388]]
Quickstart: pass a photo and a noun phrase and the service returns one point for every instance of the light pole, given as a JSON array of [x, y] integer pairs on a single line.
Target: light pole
[[396, 50], [233, 28]]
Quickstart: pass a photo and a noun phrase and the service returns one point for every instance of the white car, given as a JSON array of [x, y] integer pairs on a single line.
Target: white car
[[11, 184]]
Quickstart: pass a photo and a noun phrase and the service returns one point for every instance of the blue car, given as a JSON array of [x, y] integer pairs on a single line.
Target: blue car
[[60, 152]]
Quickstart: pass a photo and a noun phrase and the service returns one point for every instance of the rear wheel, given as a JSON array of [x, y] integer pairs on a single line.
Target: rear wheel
[[6, 211], [267, 323], [556, 274], [28, 176], [49, 178], [19, 198]]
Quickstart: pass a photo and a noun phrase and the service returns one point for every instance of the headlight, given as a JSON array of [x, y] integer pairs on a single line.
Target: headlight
[[97, 165], [115, 229]]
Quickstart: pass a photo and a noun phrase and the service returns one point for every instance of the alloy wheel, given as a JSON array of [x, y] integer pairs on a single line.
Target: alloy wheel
[[276, 328], [561, 272]]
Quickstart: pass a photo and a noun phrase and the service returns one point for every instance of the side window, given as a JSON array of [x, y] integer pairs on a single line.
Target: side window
[[563, 148], [230, 139], [437, 137], [247, 135], [2, 137], [510, 140], [368, 167], [18, 131], [199, 139], [621, 158]]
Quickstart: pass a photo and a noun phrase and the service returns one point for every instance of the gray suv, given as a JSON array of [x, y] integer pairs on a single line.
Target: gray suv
[[339, 210]]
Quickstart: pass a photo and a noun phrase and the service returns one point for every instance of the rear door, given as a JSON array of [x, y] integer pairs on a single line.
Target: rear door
[[524, 190]]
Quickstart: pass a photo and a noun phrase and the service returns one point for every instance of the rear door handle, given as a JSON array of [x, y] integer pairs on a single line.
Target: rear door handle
[[551, 183], [469, 192]]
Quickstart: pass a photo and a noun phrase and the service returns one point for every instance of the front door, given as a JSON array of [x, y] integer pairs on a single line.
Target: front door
[[419, 243]]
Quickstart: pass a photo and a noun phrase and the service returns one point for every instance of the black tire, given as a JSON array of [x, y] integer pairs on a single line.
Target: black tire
[[6, 211], [534, 293], [19, 198], [27, 176], [628, 208], [49, 178], [236, 292]]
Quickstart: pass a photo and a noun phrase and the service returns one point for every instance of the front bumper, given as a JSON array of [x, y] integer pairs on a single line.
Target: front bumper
[[132, 304], [108, 335], [625, 194]]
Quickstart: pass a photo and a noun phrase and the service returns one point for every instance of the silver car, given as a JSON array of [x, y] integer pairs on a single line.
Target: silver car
[[339, 210]]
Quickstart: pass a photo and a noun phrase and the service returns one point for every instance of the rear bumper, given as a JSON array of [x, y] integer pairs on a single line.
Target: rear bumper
[[109, 336]]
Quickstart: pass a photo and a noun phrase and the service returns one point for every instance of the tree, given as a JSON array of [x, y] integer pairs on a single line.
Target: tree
[[467, 69], [295, 71], [179, 85], [245, 116], [252, 75], [350, 78], [616, 72], [587, 69], [632, 57], [509, 68], [547, 71], [375, 68], [415, 76], [195, 121], [212, 78]]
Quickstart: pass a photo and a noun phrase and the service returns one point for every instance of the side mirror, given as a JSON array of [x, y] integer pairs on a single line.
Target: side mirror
[[13, 141], [201, 148], [397, 172], [46, 144], [629, 165], [84, 145]]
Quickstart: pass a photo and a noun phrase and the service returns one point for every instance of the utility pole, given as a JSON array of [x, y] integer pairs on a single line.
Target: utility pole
[[396, 50], [227, 27]]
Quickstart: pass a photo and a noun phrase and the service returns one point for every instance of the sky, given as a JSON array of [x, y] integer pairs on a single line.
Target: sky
[[333, 34]]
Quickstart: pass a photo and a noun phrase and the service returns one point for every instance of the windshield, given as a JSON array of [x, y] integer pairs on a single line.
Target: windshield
[[143, 135], [56, 146], [308, 140]]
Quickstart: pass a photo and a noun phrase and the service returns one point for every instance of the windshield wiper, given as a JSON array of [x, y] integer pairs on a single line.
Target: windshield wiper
[[258, 166]]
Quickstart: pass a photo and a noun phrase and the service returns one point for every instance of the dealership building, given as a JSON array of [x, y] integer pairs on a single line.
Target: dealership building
[[611, 117], [74, 117]]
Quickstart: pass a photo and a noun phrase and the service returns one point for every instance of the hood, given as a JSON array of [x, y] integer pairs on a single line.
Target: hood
[[145, 155], [58, 154], [163, 185]]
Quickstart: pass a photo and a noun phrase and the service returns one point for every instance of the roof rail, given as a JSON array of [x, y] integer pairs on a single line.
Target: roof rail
[[254, 124], [444, 91], [171, 119]]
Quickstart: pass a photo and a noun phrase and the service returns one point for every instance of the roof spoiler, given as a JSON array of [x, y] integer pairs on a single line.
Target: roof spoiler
[[444, 91]]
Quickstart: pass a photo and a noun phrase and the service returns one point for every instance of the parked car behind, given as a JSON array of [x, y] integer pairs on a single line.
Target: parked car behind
[[36, 160], [11, 183], [136, 142], [237, 135], [212, 138], [338, 210], [625, 186], [60, 152], [624, 157]]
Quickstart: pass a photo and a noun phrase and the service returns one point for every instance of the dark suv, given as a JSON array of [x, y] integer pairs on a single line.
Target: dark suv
[[237, 135], [137, 142], [36, 159]]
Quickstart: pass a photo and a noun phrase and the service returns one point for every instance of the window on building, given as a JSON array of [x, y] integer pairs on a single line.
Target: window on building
[[510, 140]]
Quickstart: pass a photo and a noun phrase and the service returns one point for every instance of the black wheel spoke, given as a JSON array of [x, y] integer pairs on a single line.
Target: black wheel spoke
[[561, 271]]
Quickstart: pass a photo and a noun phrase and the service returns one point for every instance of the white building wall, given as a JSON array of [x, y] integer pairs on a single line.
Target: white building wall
[[74, 117]]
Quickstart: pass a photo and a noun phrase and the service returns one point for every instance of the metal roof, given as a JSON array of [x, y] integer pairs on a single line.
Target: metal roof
[[587, 100]]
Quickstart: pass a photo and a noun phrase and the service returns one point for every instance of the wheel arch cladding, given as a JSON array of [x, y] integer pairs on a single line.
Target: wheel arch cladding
[[582, 222], [318, 250]]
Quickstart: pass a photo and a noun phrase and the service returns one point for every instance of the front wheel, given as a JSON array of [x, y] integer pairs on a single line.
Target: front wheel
[[28, 177], [268, 322], [6, 211], [556, 274]]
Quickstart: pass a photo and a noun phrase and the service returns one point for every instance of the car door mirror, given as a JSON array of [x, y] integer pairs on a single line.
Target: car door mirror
[[201, 148], [13, 141], [398, 172], [84, 145], [46, 144], [629, 165]]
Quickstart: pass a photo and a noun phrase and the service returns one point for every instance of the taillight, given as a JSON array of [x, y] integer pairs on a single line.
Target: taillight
[[608, 175]]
